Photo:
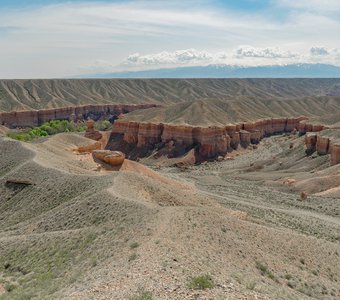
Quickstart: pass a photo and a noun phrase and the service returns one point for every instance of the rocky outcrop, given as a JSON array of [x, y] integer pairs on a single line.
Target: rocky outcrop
[[208, 142], [31, 118], [305, 126], [310, 143], [324, 142], [90, 132], [149, 134], [245, 138], [89, 148], [211, 142], [113, 158], [335, 152], [183, 135]]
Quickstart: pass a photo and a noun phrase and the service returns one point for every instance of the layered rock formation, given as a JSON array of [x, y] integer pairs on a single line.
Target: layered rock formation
[[310, 142], [335, 152], [31, 118], [209, 142], [324, 142], [305, 127]]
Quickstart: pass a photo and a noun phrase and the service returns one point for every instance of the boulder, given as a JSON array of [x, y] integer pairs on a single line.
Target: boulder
[[113, 158], [303, 195], [116, 158]]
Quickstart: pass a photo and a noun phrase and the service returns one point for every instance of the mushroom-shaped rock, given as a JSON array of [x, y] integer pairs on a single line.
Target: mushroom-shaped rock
[[113, 158]]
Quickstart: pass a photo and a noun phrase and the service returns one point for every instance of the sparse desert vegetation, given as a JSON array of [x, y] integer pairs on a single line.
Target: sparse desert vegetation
[[232, 227], [48, 128], [54, 127], [142, 296], [202, 282]]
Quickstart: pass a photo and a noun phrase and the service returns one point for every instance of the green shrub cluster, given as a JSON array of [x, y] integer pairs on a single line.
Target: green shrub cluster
[[103, 125], [202, 282], [142, 296], [48, 128]]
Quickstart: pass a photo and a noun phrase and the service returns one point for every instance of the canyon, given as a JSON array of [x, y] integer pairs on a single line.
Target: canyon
[[224, 178], [214, 141], [31, 118], [139, 138], [324, 142]]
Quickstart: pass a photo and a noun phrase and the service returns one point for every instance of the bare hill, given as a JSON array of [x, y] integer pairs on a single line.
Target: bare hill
[[39, 94], [70, 232], [325, 110]]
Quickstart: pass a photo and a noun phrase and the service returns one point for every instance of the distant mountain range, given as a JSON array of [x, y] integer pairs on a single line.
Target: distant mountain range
[[229, 71]]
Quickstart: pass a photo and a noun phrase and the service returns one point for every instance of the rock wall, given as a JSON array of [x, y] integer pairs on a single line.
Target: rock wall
[[209, 142], [324, 144], [335, 152], [31, 118], [310, 142], [305, 126]]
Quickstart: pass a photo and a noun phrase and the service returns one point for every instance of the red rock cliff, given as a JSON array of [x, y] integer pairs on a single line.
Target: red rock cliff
[[31, 118], [324, 142], [209, 142]]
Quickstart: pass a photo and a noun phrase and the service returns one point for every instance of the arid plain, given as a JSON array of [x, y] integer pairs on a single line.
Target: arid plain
[[229, 189]]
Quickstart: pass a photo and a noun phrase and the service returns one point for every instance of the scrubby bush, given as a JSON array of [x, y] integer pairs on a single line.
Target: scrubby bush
[[142, 296], [22, 136], [265, 271], [37, 132], [134, 245], [48, 128], [202, 282], [103, 125]]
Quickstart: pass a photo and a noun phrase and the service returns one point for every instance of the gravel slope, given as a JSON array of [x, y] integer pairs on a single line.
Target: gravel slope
[[76, 233]]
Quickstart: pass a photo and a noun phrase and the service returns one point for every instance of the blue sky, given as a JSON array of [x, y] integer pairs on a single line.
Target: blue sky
[[43, 39], [235, 4]]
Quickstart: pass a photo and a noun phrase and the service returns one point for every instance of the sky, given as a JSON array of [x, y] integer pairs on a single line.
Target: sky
[[56, 39]]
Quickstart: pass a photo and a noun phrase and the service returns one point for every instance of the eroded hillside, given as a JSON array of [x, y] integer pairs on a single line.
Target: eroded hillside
[[54, 93], [260, 220], [72, 231]]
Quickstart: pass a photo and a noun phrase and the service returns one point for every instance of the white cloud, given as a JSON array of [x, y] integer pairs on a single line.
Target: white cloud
[[323, 51], [255, 55], [189, 56], [248, 51], [316, 51], [54, 40], [243, 55]]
